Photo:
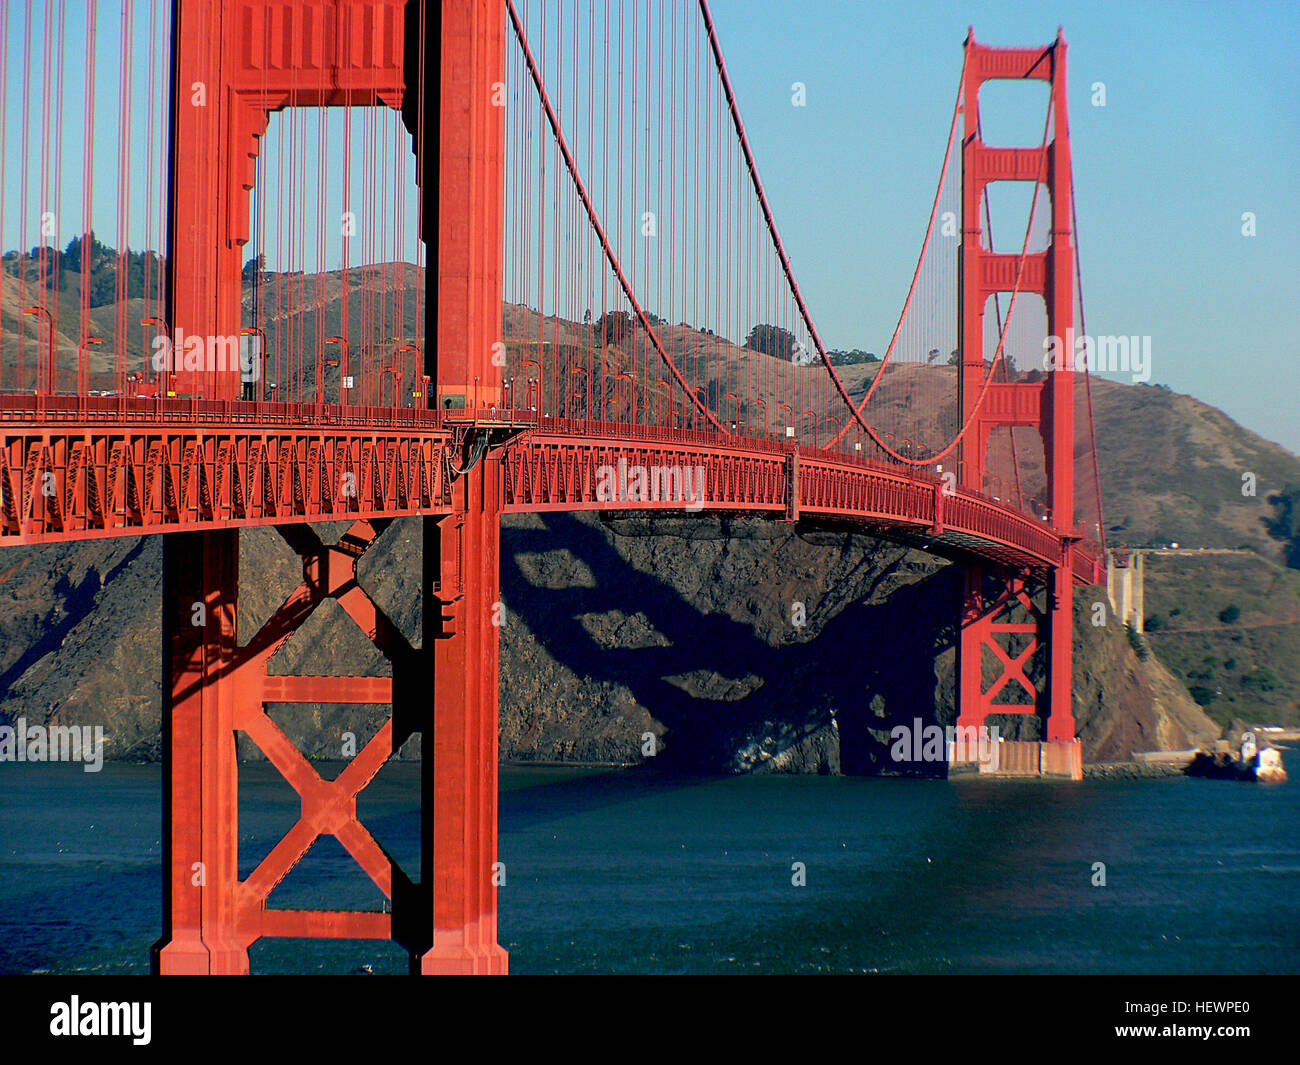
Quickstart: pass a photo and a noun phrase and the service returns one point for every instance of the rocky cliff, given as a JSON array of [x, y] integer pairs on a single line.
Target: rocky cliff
[[738, 645]]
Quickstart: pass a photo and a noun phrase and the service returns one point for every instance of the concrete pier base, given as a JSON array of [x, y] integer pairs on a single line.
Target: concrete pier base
[[1060, 759]]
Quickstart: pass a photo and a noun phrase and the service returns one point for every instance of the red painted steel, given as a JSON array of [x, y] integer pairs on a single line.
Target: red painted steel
[[218, 687], [462, 551], [459, 834], [471, 149], [201, 848], [1047, 407], [74, 484], [235, 62], [260, 474], [203, 463], [193, 478]]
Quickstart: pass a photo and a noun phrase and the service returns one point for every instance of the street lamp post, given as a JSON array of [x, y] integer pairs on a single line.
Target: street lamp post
[[789, 410], [397, 384], [587, 379], [668, 392], [345, 364], [165, 374], [411, 348], [49, 371], [832, 418], [605, 374], [536, 378], [83, 364], [703, 395], [735, 425], [631, 392], [813, 415], [251, 388], [763, 403]]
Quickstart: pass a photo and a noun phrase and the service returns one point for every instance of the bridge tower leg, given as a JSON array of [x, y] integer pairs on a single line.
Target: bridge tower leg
[[236, 50], [218, 686], [201, 800], [1047, 406], [462, 551]]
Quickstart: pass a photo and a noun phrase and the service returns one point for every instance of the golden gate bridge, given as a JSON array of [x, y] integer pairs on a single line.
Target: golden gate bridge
[[409, 260]]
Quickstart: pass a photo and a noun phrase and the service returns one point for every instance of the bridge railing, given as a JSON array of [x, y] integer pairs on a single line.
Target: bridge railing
[[68, 409], [744, 470]]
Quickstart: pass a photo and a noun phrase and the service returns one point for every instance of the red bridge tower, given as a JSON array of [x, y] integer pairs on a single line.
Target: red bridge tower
[[235, 61], [1047, 406]]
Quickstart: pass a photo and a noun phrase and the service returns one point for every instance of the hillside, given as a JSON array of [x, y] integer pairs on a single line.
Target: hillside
[[683, 629], [1228, 625], [1171, 465], [680, 628]]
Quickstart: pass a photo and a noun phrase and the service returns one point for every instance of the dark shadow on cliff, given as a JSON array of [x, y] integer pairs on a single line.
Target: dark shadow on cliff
[[78, 601], [871, 665]]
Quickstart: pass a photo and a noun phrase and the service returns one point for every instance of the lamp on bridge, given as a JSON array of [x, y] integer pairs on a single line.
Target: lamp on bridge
[[703, 397], [789, 410], [397, 384], [832, 418], [668, 393], [49, 373], [573, 395], [631, 386], [606, 374], [83, 361], [250, 386], [413, 348], [345, 364], [735, 424], [534, 402], [165, 375]]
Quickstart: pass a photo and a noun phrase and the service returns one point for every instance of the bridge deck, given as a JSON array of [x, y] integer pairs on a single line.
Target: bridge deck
[[74, 468]]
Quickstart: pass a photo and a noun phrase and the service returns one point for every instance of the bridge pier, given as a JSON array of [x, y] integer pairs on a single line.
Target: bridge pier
[[201, 796], [1013, 644], [217, 686], [459, 813], [446, 689]]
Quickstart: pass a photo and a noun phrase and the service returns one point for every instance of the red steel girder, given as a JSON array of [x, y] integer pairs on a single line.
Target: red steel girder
[[252, 58], [60, 483], [218, 687], [1048, 407], [557, 472]]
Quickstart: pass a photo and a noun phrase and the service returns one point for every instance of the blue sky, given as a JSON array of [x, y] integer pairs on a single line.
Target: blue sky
[[1201, 124]]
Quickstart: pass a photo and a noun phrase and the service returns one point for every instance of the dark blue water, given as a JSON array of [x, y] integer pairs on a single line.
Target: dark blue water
[[637, 872]]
